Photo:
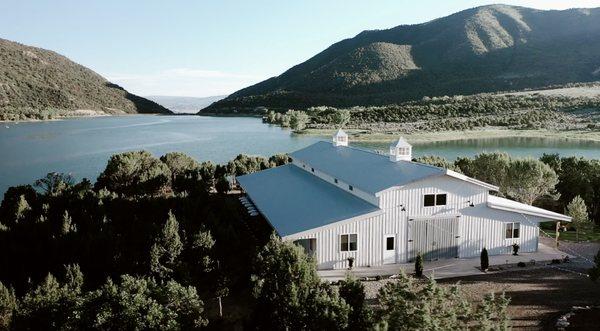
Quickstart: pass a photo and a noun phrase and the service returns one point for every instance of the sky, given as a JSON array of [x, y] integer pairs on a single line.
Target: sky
[[204, 48]]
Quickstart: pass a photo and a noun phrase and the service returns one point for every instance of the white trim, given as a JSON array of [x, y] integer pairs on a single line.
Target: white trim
[[434, 217], [471, 180]]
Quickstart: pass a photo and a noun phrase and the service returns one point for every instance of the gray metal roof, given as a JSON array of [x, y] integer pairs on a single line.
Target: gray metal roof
[[363, 169], [294, 200]]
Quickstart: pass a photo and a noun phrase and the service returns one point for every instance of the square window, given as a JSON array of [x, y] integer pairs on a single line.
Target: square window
[[440, 200], [344, 243], [516, 228], [389, 243], [509, 231], [350, 188], [335, 180], [429, 200], [353, 242], [312, 169]]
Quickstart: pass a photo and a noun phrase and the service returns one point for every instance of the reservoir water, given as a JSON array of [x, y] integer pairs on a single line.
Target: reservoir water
[[82, 146]]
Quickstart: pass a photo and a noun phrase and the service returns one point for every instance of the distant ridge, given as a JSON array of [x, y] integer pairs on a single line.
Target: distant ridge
[[185, 104], [483, 49], [35, 81]]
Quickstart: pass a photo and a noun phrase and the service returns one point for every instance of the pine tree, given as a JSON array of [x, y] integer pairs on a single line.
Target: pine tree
[[22, 208], [419, 265], [8, 305], [166, 249], [67, 223], [484, 259]]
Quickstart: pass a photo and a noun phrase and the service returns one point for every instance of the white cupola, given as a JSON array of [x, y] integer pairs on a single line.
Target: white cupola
[[400, 150], [340, 138]]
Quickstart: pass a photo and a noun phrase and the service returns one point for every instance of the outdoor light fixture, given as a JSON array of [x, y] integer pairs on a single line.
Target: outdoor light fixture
[[470, 203], [403, 209]]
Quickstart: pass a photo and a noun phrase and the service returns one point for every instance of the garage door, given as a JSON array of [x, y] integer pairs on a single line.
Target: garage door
[[433, 238]]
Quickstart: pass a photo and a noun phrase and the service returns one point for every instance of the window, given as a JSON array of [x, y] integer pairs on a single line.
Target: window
[[512, 230], [389, 243], [429, 200], [335, 180], [348, 242], [440, 200], [350, 188], [312, 169], [434, 200]]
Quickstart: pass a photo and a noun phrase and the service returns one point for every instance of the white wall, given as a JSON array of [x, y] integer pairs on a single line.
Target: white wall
[[479, 226]]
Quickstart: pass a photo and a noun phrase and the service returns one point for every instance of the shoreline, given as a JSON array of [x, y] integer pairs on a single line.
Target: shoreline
[[62, 118], [364, 136]]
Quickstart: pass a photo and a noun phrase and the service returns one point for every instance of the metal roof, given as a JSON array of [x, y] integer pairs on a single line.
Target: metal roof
[[366, 170], [517, 207], [294, 200]]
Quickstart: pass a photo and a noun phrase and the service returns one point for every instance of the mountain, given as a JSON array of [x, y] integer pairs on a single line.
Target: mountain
[[185, 104], [35, 81], [483, 49]]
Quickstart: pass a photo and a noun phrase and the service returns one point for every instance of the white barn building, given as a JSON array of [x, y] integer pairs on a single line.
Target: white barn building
[[339, 201]]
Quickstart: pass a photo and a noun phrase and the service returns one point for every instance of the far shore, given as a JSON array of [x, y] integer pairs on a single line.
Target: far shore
[[62, 118], [365, 136]]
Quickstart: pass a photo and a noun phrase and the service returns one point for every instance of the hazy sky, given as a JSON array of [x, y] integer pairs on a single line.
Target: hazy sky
[[203, 48]]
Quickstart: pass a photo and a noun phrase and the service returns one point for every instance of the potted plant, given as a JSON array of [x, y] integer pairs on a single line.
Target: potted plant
[[515, 248], [350, 262]]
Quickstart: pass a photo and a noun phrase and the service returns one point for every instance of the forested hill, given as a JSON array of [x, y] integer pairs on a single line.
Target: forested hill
[[40, 84], [483, 49]]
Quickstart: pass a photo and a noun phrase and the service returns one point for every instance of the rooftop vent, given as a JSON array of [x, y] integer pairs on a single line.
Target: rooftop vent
[[400, 150], [340, 138]]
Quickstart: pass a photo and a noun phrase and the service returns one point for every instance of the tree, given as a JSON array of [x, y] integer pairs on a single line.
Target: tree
[[185, 171], [342, 117], [488, 167], [484, 259], [166, 249], [222, 186], [579, 214], [22, 208], [406, 305], [529, 179], [8, 305], [353, 293], [67, 224], [419, 265], [298, 120], [54, 183], [135, 173], [143, 304], [437, 161], [289, 293]]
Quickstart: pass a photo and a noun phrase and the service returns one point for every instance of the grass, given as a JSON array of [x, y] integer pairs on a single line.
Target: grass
[[592, 235]]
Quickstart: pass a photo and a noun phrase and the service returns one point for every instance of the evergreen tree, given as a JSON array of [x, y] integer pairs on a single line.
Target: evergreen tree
[[419, 265], [484, 259], [578, 211], [353, 293], [67, 224], [289, 293], [166, 249], [22, 208], [222, 186], [8, 305]]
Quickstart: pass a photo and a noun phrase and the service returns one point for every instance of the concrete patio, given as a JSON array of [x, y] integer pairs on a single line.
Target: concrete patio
[[452, 267]]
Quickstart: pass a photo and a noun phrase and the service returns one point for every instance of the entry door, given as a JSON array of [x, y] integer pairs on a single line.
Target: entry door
[[389, 249], [433, 238]]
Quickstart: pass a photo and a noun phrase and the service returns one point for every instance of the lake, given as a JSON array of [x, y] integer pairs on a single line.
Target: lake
[[82, 146]]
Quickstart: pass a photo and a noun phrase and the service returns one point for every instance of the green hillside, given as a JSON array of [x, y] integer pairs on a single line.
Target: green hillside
[[484, 49], [39, 84]]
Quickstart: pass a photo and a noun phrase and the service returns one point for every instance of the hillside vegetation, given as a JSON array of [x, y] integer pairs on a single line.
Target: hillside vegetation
[[484, 49], [39, 84]]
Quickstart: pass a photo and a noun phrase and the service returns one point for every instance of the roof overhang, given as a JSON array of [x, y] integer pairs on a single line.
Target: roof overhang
[[471, 180], [521, 208]]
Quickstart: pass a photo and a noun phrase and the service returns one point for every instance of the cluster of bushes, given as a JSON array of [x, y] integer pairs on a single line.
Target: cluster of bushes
[[294, 119], [26, 113], [532, 111]]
